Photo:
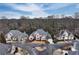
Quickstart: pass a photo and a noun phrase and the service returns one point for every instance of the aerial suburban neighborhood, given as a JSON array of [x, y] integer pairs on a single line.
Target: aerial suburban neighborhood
[[39, 29]]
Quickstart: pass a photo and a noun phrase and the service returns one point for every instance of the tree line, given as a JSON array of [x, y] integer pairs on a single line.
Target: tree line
[[53, 26]]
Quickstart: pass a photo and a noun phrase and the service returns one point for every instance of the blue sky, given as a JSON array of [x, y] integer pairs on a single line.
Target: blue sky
[[37, 10]]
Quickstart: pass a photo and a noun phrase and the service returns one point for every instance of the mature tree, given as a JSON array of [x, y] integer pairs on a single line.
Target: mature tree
[[2, 38]]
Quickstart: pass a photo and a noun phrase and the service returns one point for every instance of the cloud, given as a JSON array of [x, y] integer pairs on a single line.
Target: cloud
[[77, 5], [36, 11], [56, 6], [11, 14]]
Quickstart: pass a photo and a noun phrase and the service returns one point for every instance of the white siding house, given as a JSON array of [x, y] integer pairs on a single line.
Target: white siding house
[[40, 34], [16, 36], [65, 35]]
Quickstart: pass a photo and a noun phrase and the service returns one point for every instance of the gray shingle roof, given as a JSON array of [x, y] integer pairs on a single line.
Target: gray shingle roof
[[17, 34], [4, 49], [42, 32]]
